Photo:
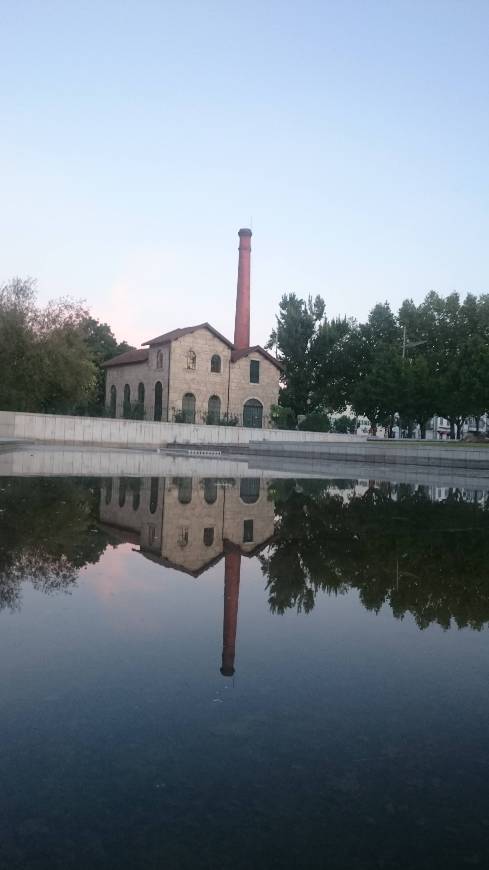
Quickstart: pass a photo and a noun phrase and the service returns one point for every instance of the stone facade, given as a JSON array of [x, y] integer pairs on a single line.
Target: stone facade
[[183, 367], [118, 376], [242, 390], [200, 382]]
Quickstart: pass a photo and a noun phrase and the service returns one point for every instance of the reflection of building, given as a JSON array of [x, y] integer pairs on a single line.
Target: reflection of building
[[195, 374], [190, 524]]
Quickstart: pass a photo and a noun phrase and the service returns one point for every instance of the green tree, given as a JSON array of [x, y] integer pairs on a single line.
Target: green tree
[[293, 339], [51, 357], [102, 345]]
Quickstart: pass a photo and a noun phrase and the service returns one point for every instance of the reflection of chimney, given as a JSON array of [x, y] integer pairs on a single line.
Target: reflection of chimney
[[231, 598], [242, 320]]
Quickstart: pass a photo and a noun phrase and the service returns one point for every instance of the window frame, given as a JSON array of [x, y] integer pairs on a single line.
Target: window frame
[[218, 370], [255, 366]]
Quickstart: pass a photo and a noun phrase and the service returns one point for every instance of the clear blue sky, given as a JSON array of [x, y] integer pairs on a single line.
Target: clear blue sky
[[137, 137]]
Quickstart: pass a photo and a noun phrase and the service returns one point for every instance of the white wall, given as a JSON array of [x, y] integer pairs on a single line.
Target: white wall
[[94, 430]]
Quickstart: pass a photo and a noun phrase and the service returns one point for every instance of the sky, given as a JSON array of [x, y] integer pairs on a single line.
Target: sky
[[137, 137]]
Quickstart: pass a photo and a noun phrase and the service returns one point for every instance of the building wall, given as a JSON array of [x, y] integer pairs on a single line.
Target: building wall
[[147, 373], [201, 382], [241, 389], [118, 376]]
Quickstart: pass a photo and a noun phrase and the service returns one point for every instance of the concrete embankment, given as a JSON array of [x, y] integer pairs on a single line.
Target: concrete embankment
[[322, 454], [141, 433], [383, 453]]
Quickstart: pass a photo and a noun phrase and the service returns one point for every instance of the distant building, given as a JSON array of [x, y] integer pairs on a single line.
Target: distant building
[[195, 374]]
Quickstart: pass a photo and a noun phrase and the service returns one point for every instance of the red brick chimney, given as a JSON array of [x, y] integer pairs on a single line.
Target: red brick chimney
[[242, 320], [232, 572]]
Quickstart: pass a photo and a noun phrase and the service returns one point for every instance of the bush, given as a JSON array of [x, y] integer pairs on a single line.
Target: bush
[[345, 424], [282, 417], [316, 422], [133, 411]]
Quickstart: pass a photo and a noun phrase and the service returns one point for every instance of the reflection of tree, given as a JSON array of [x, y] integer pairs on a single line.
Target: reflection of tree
[[48, 532], [393, 544]]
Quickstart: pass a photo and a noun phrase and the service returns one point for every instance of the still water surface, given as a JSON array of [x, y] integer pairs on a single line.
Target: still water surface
[[242, 674]]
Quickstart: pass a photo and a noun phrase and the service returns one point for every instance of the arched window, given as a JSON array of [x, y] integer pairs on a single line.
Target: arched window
[[188, 408], [122, 491], [253, 414], [153, 495], [249, 489], [214, 410], [254, 371], [216, 363], [136, 494], [184, 490], [158, 401], [191, 360], [113, 401], [210, 489], [108, 490], [159, 359], [141, 393], [209, 536], [127, 401]]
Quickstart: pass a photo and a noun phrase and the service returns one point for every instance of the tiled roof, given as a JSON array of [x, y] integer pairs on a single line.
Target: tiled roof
[[130, 356], [237, 354], [177, 333], [142, 355]]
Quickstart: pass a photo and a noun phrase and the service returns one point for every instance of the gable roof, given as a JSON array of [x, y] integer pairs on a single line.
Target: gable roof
[[178, 333], [245, 351], [130, 356], [196, 572]]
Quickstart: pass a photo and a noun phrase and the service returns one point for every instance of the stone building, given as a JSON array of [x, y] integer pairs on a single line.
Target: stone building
[[190, 524], [195, 374]]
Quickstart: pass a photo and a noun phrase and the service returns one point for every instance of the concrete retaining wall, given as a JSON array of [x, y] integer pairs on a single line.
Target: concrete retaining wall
[[136, 433], [383, 453]]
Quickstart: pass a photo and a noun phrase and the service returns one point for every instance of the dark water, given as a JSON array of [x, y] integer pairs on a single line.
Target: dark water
[[225, 674]]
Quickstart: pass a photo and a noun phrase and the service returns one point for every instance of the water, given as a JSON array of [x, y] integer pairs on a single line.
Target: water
[[233, 674]]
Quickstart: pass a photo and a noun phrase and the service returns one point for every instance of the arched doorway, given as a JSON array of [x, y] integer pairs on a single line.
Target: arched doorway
[[188, 408], [158, 401], [253, 414], [214, 410]]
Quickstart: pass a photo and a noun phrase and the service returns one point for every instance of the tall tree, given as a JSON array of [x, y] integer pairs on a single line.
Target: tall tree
[[293, 339]]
